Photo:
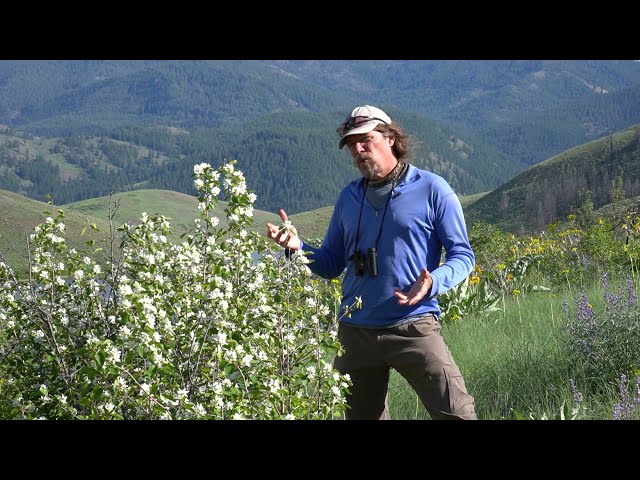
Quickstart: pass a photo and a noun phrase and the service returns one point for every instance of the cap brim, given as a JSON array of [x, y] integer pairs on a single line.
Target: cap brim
[[364, 128]]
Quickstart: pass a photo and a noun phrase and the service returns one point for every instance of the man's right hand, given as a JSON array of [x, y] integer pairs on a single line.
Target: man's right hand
[[284, 235]]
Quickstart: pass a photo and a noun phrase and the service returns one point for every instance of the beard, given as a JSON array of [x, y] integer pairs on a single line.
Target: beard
[[368, 168]]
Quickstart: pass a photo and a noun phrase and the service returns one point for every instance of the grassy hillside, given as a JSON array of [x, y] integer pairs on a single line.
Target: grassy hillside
[[19, 215], [180, 208], [466, 200]]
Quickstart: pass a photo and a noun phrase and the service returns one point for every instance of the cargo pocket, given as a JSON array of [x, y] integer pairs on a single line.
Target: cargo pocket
[[461, 404]]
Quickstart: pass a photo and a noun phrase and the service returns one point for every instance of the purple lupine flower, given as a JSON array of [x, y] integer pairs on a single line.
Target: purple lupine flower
[[565, 307], [624, 410], [612, 299], [617, 412], [577, 396], [633, 299], [585, 312]]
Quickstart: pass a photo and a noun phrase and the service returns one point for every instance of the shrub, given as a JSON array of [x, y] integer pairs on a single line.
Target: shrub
[[220, 326]]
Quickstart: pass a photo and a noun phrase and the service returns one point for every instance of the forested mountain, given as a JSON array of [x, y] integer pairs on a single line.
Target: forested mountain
[[469, 93], [82, 128], [535, 137], [547, 192], [288, 159], [59, 98]]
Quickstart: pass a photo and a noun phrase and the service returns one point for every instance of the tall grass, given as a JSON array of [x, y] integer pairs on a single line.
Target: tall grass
[[515, 361]]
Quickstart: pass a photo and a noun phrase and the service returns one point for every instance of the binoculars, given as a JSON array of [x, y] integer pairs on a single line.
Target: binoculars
[[367, 262]]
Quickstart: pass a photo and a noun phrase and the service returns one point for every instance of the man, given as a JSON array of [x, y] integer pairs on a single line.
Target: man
[[388, 229]]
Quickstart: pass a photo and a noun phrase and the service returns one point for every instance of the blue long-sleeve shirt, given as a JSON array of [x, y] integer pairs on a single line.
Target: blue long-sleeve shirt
[[423, 216]]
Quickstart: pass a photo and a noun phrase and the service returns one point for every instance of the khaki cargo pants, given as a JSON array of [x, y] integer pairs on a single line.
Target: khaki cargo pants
[[418, 352]]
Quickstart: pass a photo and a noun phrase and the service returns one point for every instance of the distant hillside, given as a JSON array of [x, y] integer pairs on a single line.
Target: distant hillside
[[547, 191], [19, 215], [180, 209], [469, 93], [534, 137], [60, 98], [466, 200], [76, 167]]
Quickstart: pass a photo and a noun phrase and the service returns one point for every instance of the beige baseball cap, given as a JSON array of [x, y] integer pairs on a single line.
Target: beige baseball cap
[[362, 120]]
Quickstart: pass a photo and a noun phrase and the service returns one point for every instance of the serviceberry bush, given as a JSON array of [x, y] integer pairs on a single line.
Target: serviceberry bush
[[219, 326]]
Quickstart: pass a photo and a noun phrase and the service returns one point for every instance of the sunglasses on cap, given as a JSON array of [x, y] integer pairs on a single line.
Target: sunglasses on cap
[[354, 122]]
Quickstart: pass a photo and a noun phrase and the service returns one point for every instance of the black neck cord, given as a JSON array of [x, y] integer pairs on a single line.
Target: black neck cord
[[364, 194]]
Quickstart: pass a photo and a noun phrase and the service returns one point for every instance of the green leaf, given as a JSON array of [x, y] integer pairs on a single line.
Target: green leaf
[[99, 358], [97, 393]]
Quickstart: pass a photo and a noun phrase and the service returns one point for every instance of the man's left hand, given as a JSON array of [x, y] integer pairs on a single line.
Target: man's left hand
[[419, 289]]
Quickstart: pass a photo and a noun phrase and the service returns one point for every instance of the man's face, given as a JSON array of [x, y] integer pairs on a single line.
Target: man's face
[[369, 152]]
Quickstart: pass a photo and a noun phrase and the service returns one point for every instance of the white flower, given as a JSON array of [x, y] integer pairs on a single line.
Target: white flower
[[221, 338], [120, 384], [125, 290], [199, 169], [125, 331]]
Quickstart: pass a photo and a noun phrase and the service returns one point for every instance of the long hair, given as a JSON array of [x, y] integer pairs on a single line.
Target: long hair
[[404, 146]]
